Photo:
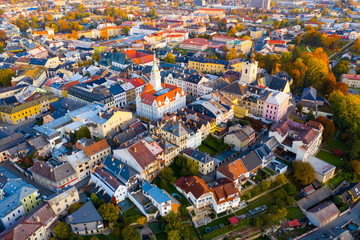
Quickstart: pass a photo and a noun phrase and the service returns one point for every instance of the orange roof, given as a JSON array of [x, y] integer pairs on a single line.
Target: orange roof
[[211, 9], [94, 148], [148, 97], [224, 193], [70, 84], [233, 170], [193, 184]]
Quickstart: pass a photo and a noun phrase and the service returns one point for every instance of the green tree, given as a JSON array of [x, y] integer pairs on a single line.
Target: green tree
[[304, 172], [285, 58], [6, 75], [83, 132], [342, 67], [125, 30], [109, 212], [231, 32], [337, 200], [129, 233], [310, 116], [170, 58], [346, 110], [290, 189], [3, 35], [94, 200], [62, 231], [271, 63], [276, 24], [75, 206], [174, 235], [96, 57], [168, 175], [299, 108]]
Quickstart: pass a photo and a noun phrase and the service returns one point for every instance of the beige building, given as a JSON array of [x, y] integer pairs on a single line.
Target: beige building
[[96, 151], [60, 203], [206, 164], [351, 80]]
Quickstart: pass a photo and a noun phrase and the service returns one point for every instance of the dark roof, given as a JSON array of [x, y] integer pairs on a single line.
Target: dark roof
[[116, 89], [11, 141], [251, 161], [234, 88], [86, 214], [309, 93], [122, 171], [55, 174], [38, 61]]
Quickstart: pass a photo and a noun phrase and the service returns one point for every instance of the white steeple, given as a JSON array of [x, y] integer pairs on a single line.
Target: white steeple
[[155, 78]]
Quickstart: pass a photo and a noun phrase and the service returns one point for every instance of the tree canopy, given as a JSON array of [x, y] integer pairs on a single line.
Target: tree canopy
[[62, 231], [6, 75], [304, 172], [109, 212], [170, 58], [129, 233]]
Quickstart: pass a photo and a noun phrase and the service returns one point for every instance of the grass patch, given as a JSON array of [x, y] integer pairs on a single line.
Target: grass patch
[[216, 222], [335, 144], [213, 146], [205, 149], [269, 171], [335, 181], [330, 158], [294, 213], [132, 212], [156, 227], [343, 207], [241, 211]]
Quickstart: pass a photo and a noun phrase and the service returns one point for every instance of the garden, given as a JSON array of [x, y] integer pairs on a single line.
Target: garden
[[213, 146]]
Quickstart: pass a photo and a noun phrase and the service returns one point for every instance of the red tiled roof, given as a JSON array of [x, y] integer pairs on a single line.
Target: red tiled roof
[[141, 154], [193, 184], [94, 148], [107, 177], [148, 97]]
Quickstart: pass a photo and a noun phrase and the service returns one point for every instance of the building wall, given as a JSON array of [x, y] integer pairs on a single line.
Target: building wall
[[31, 202], [13, 216], [61, 205], [87, 228], [120, 193]]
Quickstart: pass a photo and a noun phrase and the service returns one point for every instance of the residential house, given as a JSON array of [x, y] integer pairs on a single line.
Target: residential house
[[218, 110], [240, 138], [310, 100], [141, 158], [205, 163], [197, 44], [351, 193], [276, 106], [17, 198], [37, 225], [13, 146], [61, 202], [95, 151], [323, 213], [123, 172], [351, 80], [114, 188], [55, 177], [86, 220], [158, 197], [323, 171]]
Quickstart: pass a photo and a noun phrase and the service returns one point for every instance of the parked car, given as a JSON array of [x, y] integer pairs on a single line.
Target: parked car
[[27, 135]]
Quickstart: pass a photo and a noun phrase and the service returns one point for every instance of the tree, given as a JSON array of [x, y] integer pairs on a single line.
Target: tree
[[276, 24], [94, 199], [96, 57], [74, 35], [299, 108], [310, 116], [173, 235], [6, 75], [141, 220], [168, 175], [109, 212], [129, 233], [355, 164], [170, 58], [125, 30], [304, 172], [356, 47], [290, 189], [231, 32], [280, 179], [342, 67], [265, 185], [232, 54], [76, 206], [271, 63], [285, 58], [83, 132], [329, 127], [346, 110], [3, 35], [62, 231]]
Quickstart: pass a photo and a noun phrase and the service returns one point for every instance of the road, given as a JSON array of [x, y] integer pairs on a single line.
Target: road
[[11, 168], [354, 215]]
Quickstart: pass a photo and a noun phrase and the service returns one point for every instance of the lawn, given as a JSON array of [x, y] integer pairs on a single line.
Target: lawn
[[213, 146], [205, 149], [132, 212], [216, 222], [336, 144], [330, 158], [264, 200], [269, 171], [294, 213]]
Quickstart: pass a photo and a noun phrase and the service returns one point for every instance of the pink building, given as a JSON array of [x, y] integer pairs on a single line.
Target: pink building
[[276, 106]]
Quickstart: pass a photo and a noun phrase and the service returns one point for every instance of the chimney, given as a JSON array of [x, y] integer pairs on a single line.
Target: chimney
[[172, 122], [112, 159], [135, 149], [125, 144], [195, 124]]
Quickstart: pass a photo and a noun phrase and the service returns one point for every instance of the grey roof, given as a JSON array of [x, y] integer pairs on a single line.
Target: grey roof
[[309, 93], [314, 198], [52, 173], [251, 161], [175, 128], [234, 88], [120, 170], [11, 141], [86, 214]]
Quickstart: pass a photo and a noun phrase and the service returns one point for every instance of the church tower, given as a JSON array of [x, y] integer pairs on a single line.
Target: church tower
[[155, 78], [249, 69]]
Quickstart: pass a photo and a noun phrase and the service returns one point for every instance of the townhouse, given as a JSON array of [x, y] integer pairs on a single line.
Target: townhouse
[[240, 138], [112, 187], [61, 202], [205, 163], [95, 151], [215, 65]]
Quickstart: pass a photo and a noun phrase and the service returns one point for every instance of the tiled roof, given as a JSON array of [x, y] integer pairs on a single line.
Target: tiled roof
[[233, 170], [94, 148], [193, 184], [224, 193], [106, 177], [141, 154], [54, 174], [148, 95], [325, 211]]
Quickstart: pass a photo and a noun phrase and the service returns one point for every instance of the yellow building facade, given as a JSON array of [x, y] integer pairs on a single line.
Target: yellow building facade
[[214, 65]]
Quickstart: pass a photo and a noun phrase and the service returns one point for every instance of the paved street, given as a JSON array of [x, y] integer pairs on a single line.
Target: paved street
[[12, 169], [354, 215]]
